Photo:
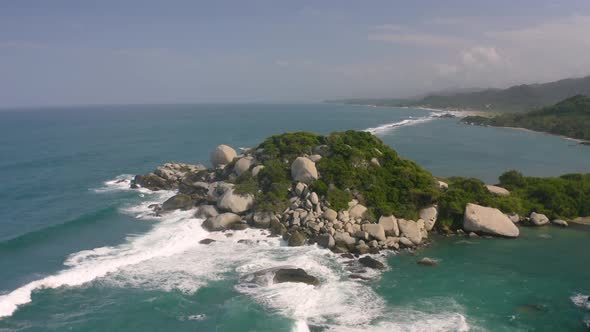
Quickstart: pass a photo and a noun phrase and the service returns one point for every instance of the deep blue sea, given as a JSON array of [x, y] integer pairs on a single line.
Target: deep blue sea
[[79, 252]]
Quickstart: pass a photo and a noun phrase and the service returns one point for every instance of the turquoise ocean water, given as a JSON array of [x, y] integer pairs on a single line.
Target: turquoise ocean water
[[79, 252]]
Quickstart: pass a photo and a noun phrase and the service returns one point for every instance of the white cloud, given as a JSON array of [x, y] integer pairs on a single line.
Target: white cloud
[[480, 56]]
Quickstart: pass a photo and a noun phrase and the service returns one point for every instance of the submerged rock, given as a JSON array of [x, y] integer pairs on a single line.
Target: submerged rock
[[206, 241], [426, 261], [487, 220]]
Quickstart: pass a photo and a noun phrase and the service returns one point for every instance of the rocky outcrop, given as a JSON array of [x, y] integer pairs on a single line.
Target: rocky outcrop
[[303, 170], [221, 222], [222, 155], [489, 221], [152, 182], [538, 219], [236, 203], [498, 191], [372, 263], [180, 201], [429, 215], [294, 275]]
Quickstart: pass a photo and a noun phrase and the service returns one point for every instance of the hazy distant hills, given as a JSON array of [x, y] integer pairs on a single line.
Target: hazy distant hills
[[517, 98]]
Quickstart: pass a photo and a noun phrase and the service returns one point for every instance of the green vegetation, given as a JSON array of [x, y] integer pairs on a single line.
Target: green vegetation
[[565, 197], [397, 186], [570, 117], [520, 98]]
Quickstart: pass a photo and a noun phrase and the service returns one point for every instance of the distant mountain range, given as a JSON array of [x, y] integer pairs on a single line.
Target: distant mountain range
[[519, 98]]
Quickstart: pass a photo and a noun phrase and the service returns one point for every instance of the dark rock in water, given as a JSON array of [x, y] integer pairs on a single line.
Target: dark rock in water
[[152, 182], [368, 261], [277, 228], [155, 207], [297, 239], [358, 276], [244, 241], [206, 241], [426, 261], [347, 255], [180, 201], [221, 222], [532, 308], [295, 275], [240, 226]]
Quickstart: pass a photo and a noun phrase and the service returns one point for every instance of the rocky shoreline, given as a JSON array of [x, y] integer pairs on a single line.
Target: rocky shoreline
[[310, 218]]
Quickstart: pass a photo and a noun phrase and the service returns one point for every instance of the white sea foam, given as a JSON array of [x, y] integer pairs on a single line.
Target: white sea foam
[[407, 122], [170, 257], [581, 301]]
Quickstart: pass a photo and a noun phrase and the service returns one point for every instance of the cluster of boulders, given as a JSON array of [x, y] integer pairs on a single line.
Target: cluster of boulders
[[309, 217]]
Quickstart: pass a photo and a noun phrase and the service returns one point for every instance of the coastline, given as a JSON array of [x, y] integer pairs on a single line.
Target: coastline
[[577, 140]]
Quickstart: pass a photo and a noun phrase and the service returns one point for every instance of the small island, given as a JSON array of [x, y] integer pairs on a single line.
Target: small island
[[351, 193]]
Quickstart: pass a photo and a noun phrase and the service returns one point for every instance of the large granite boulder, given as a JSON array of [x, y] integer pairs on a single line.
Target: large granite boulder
[[410, 230], [236, 203], [429, 215], [498, 191], [180, 201], [389, 224], [222, 155], [242, 165], [304, 170], [221, 222], [375, 230], [538, 219], [443, 185], [488, 220], [357, 211]]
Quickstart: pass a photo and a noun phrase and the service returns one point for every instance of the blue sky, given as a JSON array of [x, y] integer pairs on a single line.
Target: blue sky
[[86, 52]]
